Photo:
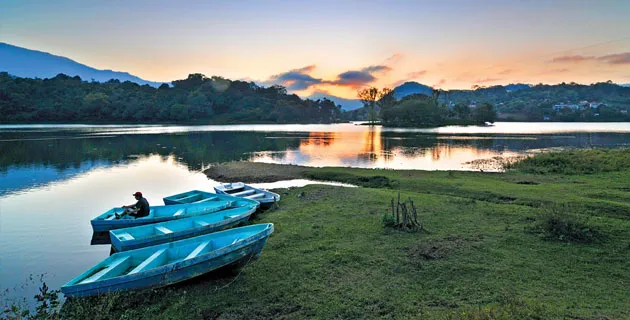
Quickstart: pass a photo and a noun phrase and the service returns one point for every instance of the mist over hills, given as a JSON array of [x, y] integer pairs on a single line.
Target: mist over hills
[[26, 63]]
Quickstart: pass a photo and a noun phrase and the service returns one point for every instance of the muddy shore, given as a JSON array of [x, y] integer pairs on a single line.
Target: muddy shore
[[254, 172]]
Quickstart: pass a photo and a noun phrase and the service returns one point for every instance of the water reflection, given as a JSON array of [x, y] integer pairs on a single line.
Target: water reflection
[[46, 228], [372, 148]]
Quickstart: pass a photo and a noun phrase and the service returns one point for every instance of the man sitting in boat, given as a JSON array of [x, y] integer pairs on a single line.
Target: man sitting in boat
[[138, 210]]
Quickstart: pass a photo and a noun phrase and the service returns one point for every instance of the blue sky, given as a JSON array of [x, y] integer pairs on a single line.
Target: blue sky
[[335, 46]]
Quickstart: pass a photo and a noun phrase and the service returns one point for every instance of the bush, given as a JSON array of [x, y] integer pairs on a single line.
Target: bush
[[557, 224], [574, 162]]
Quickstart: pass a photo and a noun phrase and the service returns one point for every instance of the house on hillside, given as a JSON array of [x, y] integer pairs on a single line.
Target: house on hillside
[[563, 105]]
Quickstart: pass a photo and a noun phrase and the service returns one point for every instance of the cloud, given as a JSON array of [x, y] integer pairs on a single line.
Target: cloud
[[295, 80], [439, 84], [572, 59], [485, 80], [416, 74], [619, 58], [358, 79], [555, 71], [393, 59], [507, 71]]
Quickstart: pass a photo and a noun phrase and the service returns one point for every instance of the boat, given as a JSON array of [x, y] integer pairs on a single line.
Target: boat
[[242, 190], [109, 220], [156, 233], [165, 264], [188, 197]]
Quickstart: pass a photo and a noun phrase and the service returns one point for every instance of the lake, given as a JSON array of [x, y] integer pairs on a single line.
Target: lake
[[55, 178]]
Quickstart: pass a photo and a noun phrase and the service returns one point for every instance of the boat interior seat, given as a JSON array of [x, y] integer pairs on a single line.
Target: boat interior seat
[[179, 212], [115, 268], [163, 230], [125, 236], [154, 260], [256, 196], [243, 193], [201, 223], [198, 250], [205, 200]]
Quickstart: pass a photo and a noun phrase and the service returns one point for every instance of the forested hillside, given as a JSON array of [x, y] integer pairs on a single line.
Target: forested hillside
[[197, 99]]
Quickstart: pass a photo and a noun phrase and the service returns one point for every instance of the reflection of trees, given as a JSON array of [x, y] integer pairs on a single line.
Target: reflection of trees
[[71, 149], [319, 138], [65, 150]]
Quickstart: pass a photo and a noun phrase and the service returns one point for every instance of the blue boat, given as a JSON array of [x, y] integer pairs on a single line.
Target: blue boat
[[157, 233], [188, 197], [242, 190], [108, 220], [169, 263]]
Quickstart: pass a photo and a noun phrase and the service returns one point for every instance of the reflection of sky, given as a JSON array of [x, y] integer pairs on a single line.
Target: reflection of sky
[[17, 178], [46, 228], [366, 149]]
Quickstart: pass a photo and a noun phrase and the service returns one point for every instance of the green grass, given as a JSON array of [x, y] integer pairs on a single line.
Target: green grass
[[488, 253]]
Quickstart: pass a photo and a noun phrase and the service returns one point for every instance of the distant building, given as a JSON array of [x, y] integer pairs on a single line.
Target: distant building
[[563, 105]]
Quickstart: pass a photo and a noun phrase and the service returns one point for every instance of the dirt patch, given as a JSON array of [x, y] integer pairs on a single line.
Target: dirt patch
[[437, 249], [253, 172], [527, 182], [494, 164]]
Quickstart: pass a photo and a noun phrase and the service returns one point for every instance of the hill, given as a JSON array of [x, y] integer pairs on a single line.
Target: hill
[[411, 87], [346, 104], [26, 63]]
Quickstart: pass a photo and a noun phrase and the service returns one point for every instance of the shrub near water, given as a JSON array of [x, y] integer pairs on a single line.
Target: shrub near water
[[556, 223], [575, 162]]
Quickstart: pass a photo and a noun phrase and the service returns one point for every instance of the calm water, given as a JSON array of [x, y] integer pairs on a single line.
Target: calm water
[[55, 178]]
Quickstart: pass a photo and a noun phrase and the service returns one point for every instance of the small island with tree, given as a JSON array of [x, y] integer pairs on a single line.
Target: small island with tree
[[419, 110]]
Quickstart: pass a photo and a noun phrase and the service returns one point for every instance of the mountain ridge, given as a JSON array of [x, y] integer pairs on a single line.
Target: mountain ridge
[[28, 63]]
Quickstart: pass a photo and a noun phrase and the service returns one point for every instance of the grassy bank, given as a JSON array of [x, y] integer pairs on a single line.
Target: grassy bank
[[517, 245]]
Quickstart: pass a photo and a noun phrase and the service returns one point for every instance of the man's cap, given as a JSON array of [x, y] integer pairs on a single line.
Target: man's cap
[[138, 194]]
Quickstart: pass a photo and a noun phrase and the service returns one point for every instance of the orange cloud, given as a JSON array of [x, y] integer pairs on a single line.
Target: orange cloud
[[487, 80], [396, 57], [507, 71], [417, 74], [439, 84]]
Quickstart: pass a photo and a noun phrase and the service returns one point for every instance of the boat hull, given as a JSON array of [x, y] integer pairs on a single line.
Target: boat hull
[[107, 221], [264, 197], [120, 245], [174, 272]]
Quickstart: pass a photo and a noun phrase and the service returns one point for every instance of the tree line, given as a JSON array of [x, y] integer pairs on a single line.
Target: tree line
[[418, 110], [196, 99], [536, 103]]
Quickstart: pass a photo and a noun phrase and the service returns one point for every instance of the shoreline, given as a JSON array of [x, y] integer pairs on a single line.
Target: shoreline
[[486, 250]]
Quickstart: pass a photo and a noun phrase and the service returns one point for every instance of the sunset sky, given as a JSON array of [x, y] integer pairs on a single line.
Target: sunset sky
[[335, 46]]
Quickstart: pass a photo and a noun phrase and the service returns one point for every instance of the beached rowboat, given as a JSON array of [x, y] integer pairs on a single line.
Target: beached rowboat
[[108, 221], [242, 190], [169, 263], [188, 197], [157, 233]]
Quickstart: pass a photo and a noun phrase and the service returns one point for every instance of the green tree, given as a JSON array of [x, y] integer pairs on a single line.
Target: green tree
[[484, 113]]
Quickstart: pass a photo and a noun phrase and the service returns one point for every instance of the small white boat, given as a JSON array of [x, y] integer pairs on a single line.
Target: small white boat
[[169, 263], [242, 190], [157, 233]]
